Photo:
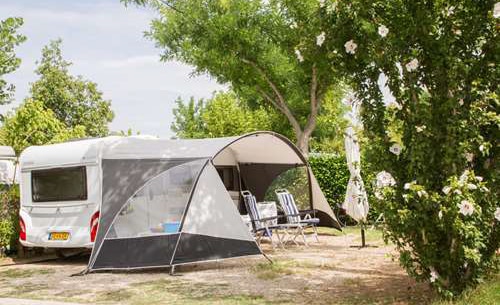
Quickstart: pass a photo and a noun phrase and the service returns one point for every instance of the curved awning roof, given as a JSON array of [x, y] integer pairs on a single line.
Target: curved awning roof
[[257, 147]]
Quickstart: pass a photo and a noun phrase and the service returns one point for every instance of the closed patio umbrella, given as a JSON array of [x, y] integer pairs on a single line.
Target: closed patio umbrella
[[356, 201]]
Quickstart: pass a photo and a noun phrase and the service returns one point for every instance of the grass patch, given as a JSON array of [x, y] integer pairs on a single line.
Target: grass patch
[[267, 271], [17, 273], [179, 292], [488, 293], [372, 236], [120, 295]]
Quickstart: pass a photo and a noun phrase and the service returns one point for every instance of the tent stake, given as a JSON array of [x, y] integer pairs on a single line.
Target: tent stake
[[268, 258], [172, 270]]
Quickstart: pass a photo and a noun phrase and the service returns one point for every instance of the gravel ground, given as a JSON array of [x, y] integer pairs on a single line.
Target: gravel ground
[[328, 272]]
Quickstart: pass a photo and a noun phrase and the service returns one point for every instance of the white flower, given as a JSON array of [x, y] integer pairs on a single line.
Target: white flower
[[481, 148], [479, 178], [294, 25], [383, 30], [450, 11], [496, 10], [433, 277], [458, 192], [379, 195], [471, 186], [446, 190], [421, 193], [299, 55], [461, 102], [469, 157], [407, 186], [457, 32], [412, 65], [440, 215], [394, 104], [466, 208], [420, 128], [497, 214], [463, 177], [384, 179], [320, 39], [331, 7], [322, 3], [350, 47], [395, 149]]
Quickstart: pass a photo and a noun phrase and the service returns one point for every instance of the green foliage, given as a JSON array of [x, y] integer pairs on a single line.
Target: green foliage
[[294, 180], [225, 114], [32, 124], [440, 60], [222, 115], [9, 218], [332, 174], [73, 100], [9, 39], [266, 50]]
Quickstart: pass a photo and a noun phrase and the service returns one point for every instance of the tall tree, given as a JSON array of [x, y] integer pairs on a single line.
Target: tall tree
[[73, 100], [221, 116], [225, 114], [33, 124], [9, 39], [274, 49]]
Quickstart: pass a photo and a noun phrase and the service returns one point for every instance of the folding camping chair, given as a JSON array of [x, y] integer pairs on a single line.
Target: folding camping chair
[[294, 216], [261, 227]]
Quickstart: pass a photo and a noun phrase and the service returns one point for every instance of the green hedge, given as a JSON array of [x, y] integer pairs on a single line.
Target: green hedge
[[9, 218], [332, 174]]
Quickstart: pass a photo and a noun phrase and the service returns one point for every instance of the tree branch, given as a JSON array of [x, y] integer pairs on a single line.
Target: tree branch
[[315, 103], [283, 107]]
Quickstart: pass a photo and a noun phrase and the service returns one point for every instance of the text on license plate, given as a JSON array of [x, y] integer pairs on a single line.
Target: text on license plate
[[58, 236]]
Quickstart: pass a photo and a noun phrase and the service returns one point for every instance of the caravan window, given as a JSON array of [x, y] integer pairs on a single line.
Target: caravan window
[[59, 184]]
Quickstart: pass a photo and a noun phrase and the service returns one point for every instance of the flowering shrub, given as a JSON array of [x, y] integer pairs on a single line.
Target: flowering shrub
[[432, 129], [447, 237]]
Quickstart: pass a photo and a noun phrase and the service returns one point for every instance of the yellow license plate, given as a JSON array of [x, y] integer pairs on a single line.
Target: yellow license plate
[[59, 236]]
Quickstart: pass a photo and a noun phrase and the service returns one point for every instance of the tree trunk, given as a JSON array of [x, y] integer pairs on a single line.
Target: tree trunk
[[303, 142]]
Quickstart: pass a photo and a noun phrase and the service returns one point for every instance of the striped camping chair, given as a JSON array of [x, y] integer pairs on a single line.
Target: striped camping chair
[[294, 216], [261, 226]]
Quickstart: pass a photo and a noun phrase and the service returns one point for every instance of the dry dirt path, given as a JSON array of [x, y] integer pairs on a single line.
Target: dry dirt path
[[329, 272]]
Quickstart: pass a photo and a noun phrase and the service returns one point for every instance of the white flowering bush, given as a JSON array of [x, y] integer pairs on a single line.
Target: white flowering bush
[[437, 135]]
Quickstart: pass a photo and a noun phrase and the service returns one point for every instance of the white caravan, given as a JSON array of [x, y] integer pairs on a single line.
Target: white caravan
[[60, 194], [63, 185]]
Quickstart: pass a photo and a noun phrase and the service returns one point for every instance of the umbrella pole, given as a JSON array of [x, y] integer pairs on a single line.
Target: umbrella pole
[[363, 240]]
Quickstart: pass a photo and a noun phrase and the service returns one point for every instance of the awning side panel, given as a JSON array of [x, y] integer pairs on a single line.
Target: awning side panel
[[143, 252], [212, 212], [122, 179], [320, 203], [195, 247]]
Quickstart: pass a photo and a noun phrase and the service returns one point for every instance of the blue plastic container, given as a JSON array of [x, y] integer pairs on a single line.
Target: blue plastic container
[[171, 227]]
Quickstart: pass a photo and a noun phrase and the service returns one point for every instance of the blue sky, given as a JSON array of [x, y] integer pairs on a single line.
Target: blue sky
[[105, 41]]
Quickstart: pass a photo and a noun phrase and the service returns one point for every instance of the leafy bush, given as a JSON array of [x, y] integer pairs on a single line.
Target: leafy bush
[[9, 218], [439, 61], [448, 237]]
